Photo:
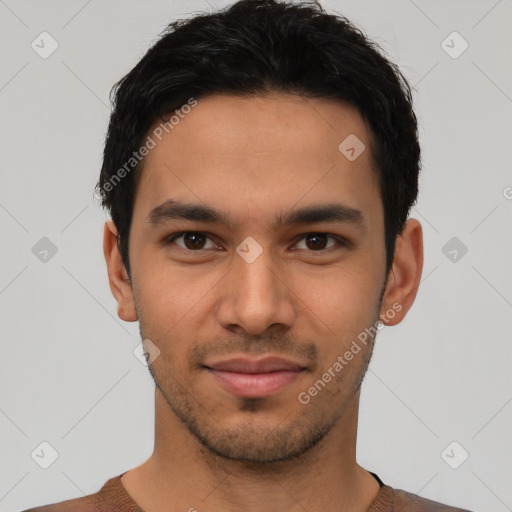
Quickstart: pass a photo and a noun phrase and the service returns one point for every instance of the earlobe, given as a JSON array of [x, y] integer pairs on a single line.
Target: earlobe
[[405, 274], [119, 281]]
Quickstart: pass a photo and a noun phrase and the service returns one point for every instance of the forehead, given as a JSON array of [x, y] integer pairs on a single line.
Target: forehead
[[282, 149], [248, 126]]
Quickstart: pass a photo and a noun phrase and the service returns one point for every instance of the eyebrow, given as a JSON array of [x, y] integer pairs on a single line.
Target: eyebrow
[[332, 212]]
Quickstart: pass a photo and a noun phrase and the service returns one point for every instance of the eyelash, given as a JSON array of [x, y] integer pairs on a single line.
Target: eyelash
[[340, 241]]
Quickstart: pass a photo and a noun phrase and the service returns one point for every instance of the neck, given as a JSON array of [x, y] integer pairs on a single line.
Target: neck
[[182, 474]]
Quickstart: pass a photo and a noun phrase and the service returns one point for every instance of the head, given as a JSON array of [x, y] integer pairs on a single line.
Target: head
[[284, 144]]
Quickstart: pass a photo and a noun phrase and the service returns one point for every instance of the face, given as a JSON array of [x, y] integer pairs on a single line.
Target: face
[[257, 258]]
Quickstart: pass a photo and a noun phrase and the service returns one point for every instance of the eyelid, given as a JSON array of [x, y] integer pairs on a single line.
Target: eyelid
[[170, 239], [341, 241]]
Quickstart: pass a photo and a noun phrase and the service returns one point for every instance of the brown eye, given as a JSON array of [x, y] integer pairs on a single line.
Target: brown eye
[[318, 242], [191, 240], [194, 240]]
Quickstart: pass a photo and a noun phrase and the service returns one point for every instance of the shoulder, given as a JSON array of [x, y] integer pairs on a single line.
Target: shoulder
[[84, 504], [112, 497], [96, 502], [407, 502]]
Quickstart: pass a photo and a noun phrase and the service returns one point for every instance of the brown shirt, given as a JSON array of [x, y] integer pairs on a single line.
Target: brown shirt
[[112, 497]]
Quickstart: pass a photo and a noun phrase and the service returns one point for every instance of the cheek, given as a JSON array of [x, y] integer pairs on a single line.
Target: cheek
[[174, 305], [340, 298], [340, 308], [168, 293]]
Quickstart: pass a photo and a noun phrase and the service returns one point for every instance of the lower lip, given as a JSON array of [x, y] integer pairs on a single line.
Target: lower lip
[[255, 385]]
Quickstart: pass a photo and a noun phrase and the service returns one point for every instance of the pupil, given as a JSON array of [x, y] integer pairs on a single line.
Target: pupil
[[193, 240], [316, 238]]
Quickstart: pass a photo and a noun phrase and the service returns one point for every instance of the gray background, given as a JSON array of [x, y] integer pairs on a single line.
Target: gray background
[[68, 375]]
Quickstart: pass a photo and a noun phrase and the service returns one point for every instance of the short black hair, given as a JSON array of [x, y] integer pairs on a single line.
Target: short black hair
[[255, 47]]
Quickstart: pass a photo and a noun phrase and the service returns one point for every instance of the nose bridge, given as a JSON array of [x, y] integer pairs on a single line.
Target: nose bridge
[[257, 297], [256, 278]]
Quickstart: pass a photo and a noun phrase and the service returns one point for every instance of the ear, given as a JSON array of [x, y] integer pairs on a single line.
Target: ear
[[404, 276], [120, 283]]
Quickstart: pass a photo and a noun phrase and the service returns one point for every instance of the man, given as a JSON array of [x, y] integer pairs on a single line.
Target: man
[[259, 168]]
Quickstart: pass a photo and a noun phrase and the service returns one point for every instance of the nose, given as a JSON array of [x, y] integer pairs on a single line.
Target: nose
[[256, 297]]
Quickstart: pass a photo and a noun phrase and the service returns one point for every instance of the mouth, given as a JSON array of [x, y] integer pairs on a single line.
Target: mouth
[[255, 378]]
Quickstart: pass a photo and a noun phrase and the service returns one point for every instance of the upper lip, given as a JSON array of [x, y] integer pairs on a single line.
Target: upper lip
[[263, 365]]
